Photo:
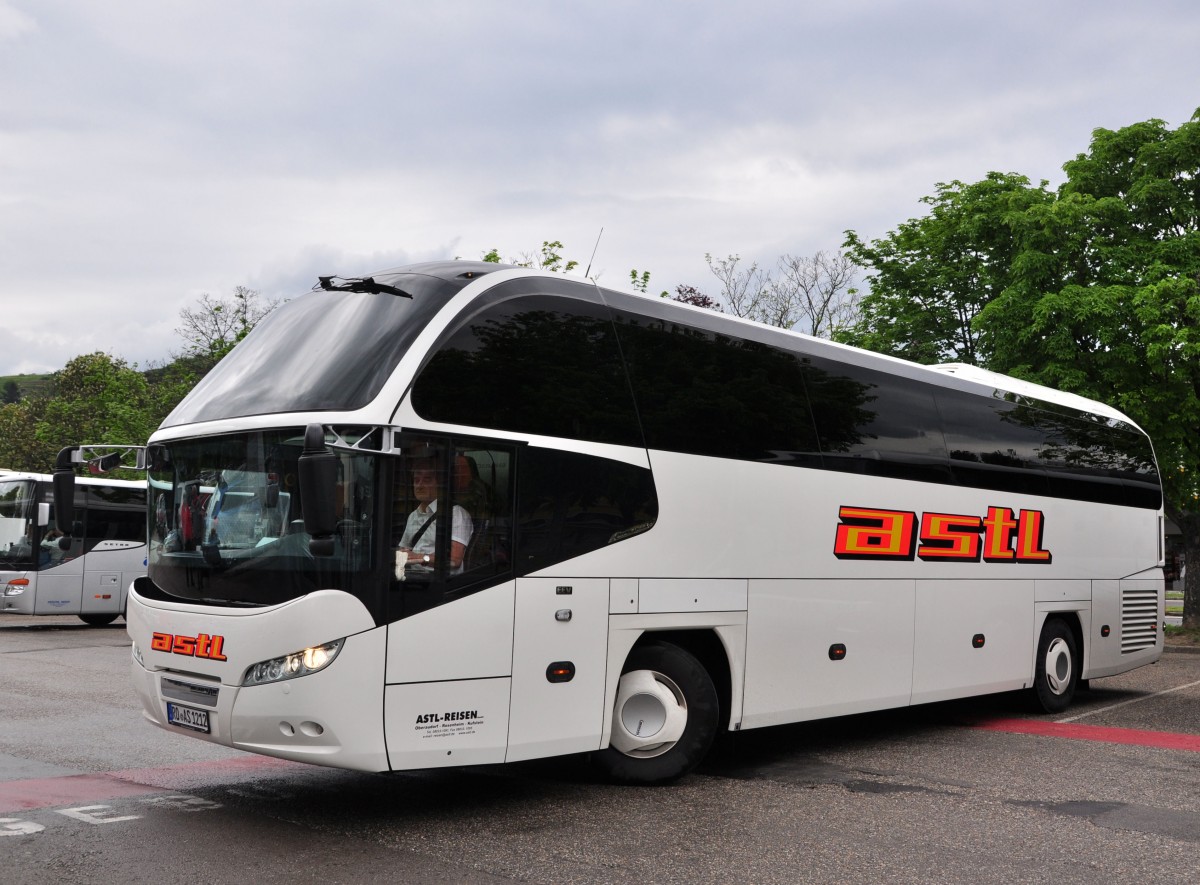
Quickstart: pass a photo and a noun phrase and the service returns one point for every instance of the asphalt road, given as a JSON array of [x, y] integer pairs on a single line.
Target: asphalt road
[[975, 791]]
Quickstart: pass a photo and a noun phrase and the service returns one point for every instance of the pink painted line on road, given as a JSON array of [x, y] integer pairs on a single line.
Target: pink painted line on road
[[1167, 740], [78, 789], [169, 774], [73, 789]]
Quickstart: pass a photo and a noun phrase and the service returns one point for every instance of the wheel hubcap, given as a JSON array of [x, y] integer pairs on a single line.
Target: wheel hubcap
[[651, 714], [1058, 666]]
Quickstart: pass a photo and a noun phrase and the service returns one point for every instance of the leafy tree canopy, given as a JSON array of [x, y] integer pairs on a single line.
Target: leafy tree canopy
[[932, 276], [1104, 298], [95, 398], [1094, 289]]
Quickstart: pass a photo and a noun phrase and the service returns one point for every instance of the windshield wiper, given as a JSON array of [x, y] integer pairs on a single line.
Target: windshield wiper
[[358, 284]]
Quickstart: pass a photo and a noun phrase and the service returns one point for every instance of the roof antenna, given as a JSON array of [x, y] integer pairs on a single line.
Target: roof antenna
[[588, 273]]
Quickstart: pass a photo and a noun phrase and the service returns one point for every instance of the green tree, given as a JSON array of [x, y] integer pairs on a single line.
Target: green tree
[[932, 276], [95, 398], [549, 258], [20, 448], [12, 392], [1093, 289], [1104, 300]]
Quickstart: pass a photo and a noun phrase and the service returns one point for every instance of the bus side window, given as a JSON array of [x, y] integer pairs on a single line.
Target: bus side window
[[569, 504], [481, 480], [438, 560], [114, 514]]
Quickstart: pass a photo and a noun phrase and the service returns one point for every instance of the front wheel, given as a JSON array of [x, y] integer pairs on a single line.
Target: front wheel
[[1056, 674], [664, 719]]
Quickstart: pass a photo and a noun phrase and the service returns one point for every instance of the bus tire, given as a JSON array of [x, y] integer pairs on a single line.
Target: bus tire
[[97, 620], [1056, 674], [664, 720]]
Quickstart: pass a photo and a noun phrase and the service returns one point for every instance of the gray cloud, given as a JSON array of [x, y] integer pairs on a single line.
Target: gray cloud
[[152, 152]]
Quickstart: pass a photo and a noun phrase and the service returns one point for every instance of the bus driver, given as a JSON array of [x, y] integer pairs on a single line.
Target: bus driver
[[418, 543]]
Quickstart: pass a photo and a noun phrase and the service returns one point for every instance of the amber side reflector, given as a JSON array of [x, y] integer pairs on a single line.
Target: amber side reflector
[[977, 640], [1105, 630], [837, 651], [560, 671]]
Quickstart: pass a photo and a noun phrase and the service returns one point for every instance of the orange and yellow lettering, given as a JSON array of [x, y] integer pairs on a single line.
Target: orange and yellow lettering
[[1029, 537], [867, 533], [184, 645], [949, 536], [215, 651], [999, 526], [161, 641]]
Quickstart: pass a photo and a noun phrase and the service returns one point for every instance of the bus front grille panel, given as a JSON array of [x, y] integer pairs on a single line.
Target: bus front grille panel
[[1139, 620]]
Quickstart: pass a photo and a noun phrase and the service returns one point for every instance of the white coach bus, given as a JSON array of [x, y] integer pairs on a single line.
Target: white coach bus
[[89, 573], [665, 522]]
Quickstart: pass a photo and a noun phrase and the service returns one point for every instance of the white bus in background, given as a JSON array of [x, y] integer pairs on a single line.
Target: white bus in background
[[662, 522], [90, 574]]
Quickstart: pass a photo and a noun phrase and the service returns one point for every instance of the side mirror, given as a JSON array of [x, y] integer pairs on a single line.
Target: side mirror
[[317, 467], [105, 463], [64, 492]]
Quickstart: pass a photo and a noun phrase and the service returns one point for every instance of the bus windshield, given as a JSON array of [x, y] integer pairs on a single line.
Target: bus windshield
[[16, 524], [227, 526]]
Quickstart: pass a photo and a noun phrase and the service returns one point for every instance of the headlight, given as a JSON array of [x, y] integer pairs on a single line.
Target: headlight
[[299, 663], [16, 586], [137, 655]]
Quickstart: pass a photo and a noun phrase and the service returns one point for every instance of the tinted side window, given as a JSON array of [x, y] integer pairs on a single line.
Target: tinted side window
[[1019, 446], [569, 504], [115, 514], [990, 446], [875, 423], [1134, 465], [538, 364], [451, 520], [705, 393]]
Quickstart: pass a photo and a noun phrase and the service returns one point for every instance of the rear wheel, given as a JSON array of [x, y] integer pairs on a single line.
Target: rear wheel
[[97, 620], [1056, 674], [664, 719]]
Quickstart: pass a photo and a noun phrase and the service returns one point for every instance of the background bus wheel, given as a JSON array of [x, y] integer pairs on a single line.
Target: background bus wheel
[[1056, 675], [664, 719], [97, 620]]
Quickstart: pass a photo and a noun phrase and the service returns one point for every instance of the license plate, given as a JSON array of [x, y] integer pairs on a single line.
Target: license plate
[[186, 717]]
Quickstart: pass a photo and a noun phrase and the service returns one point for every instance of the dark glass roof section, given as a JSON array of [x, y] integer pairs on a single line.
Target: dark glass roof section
[[327, 350]]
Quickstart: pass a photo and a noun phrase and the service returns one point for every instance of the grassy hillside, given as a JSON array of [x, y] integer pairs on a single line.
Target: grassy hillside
[[27, 383]]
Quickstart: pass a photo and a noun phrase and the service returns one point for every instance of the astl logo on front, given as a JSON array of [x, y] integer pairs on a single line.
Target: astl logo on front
[[201, 645]]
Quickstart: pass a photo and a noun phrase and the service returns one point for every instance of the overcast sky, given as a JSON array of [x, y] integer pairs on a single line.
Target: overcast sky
[[151, 151]]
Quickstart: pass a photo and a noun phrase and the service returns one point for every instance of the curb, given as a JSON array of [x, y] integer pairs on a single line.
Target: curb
[[1182, 649]]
